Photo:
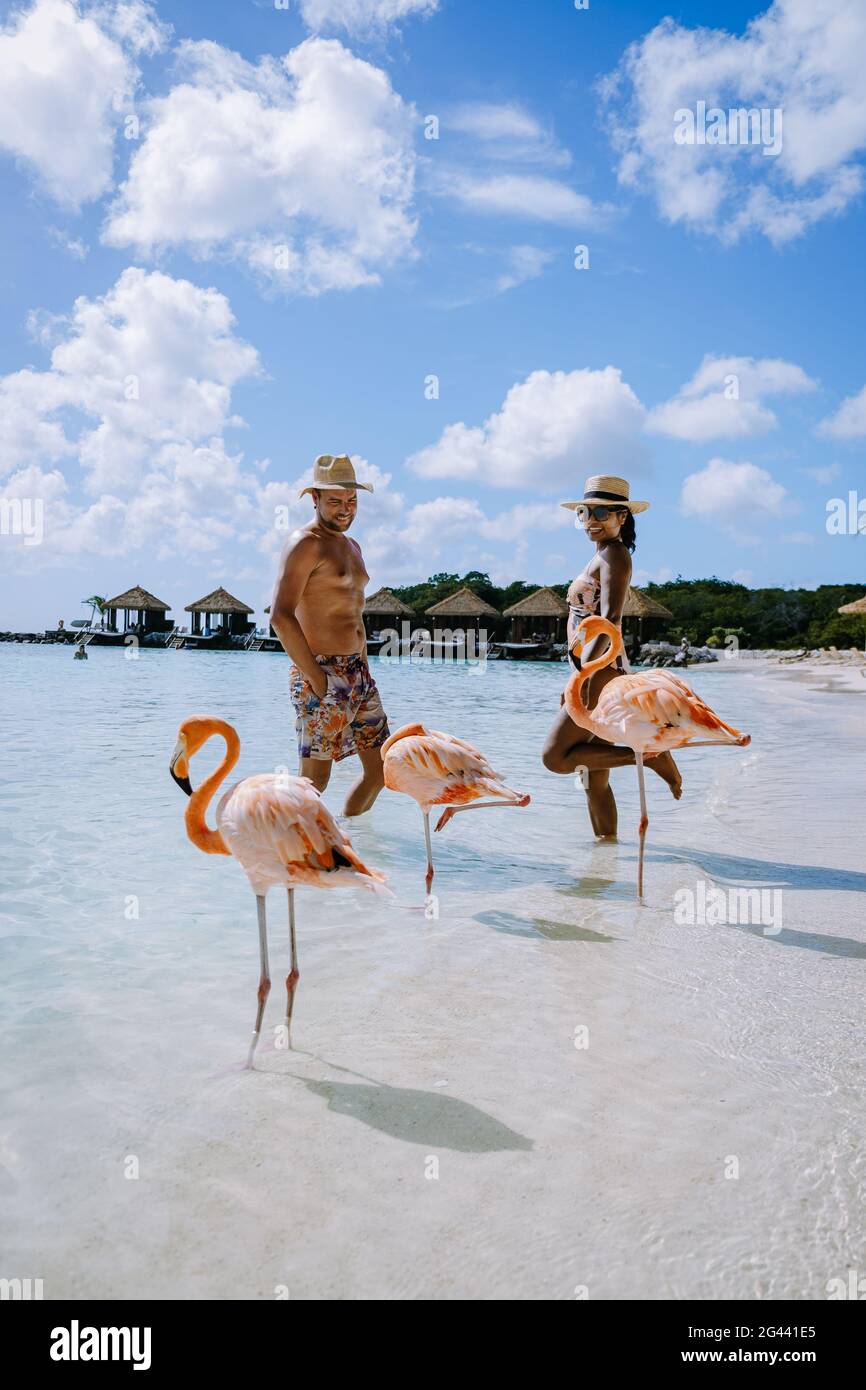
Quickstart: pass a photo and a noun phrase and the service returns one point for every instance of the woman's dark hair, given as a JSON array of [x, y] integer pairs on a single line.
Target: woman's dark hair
[[628, 534]]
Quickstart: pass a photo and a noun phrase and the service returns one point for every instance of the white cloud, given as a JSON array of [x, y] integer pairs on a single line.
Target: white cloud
[[66, 76], [150, 364], [29, 427], [528, 196], [522, 263], [804, 58], [303, 168], [662, 575], [723, 400], [509, 266], [823, 475], [849, 421], [446, 530], [361, 17], [732, 493], [136, 397], [405, 542], [514, 524], [549, 434], [482, 136], [73, 245], [507, 130]]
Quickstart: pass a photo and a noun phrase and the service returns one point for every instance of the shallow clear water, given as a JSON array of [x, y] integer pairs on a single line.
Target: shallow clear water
[[130, 965]]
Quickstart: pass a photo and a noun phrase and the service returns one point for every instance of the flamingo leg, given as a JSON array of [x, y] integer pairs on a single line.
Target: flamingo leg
[[264, 978], [644, 821], [429, 880], [294, 974], [476, 806]]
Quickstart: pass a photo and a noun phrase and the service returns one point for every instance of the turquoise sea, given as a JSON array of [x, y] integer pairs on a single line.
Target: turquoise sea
[[615, 1097]]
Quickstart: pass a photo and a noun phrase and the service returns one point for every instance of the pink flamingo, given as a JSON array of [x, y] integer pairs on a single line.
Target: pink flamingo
[[650, 712], [278, 830], [438, 769]]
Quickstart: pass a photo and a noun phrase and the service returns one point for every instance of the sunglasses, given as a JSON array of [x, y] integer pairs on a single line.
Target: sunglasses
[[600, 513]]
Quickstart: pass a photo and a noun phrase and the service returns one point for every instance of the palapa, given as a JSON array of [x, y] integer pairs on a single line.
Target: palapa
[[463, 603]]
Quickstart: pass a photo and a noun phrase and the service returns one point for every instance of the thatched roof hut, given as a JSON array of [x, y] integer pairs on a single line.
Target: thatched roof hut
[[150, 611], [462, 610], [640, 608], [218, 601], [541, 603], [139, 600], [542, 611], [463, 603], [232, 612], [385, 610], [640, 605], [384, 603]]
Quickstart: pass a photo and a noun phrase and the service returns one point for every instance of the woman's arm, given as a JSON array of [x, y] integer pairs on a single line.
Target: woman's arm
[[615, 577], [580, 596]]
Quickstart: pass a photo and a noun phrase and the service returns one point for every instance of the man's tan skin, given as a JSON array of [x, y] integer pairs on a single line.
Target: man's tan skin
[[317, 610]]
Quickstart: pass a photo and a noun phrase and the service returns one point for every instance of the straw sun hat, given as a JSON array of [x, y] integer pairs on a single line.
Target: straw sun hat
[[334, 472], [603, 488]]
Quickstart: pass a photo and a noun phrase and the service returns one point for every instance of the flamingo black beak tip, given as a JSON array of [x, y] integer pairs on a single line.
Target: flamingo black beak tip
[[183, 782], [179, 756]]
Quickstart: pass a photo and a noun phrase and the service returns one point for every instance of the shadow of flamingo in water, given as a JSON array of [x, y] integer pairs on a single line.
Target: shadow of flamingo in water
[[733, 871], [418, 1117]]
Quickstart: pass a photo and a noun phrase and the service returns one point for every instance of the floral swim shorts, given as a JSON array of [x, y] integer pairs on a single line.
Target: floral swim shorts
[[347, 719]]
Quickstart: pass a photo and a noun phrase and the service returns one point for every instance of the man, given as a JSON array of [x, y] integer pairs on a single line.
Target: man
[[317, 613]]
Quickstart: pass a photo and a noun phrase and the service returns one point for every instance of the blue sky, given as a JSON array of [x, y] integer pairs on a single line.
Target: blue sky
[[278, 259]]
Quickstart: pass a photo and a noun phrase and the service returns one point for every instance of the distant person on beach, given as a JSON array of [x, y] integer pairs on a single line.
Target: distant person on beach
[[317, 613], [607, 517], [80, 653], [682, 656]]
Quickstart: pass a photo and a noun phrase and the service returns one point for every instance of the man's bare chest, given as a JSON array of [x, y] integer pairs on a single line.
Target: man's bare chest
[[340, 567]]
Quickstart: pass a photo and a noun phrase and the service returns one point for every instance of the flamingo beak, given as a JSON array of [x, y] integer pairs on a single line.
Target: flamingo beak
[[179, 767]]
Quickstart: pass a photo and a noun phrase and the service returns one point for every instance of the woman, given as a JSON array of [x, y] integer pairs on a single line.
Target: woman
[[607, 517]]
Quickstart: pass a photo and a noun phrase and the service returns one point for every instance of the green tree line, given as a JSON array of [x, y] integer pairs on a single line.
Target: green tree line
[[703, 609]]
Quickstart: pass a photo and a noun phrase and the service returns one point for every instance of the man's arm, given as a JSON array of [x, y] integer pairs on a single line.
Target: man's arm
[[353, 542], [298, 561]]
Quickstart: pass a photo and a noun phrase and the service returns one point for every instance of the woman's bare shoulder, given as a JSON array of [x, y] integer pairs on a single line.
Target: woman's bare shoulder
[[616, 558]]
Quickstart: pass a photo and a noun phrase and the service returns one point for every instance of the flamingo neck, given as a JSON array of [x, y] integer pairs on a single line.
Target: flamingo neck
[[207, 840], [574, 701]]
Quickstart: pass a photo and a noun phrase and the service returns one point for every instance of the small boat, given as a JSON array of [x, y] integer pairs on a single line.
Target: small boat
[[421, 646], [525, 651]]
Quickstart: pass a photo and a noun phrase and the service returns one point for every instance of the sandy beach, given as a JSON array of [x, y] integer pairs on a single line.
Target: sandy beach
[[550, 1092]]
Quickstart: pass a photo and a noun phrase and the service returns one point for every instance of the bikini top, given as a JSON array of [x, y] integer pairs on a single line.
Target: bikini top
[[584, 595], [584, 600]]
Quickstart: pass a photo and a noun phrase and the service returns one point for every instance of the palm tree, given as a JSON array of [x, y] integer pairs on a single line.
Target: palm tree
[[96, 605]]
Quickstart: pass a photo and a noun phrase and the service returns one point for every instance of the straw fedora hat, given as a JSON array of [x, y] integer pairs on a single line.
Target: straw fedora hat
[[604, 488], [331, 471]]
